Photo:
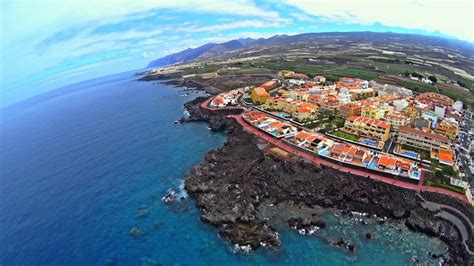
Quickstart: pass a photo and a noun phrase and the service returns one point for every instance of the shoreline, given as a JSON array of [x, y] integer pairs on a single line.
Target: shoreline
[[235, 226]]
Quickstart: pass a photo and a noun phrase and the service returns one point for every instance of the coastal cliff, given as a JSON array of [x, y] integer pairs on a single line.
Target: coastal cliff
[[234, 184]]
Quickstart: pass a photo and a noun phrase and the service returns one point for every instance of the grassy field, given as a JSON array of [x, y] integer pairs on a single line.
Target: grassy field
[[420, 87], [446, 186], [345, 136]]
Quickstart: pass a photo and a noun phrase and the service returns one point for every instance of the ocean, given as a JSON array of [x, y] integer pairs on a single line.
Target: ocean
[[84, 165]]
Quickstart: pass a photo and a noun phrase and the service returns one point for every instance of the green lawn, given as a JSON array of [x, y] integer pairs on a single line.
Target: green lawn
[[446, 186], [346, 136]]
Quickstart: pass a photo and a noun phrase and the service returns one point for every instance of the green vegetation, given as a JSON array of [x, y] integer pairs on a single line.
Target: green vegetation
[[345, 136], [445, 185], [457, 97], [446, 171], [331, 72], [418, 86]]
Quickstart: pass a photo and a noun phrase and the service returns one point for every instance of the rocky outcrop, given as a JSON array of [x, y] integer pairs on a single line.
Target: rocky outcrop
[[231, 184], [217, 119]]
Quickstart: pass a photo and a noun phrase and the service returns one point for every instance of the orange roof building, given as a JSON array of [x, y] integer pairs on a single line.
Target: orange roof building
[[433, 99], [446, 157], [421, 139], [350, 109], [269, 85], [397, 119], [372, 128], [259, 95], [448, 129]]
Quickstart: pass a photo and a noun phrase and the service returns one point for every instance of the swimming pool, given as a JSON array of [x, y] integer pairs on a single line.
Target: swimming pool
[[282, 115], [372, 165], [411, 154], [369, 142], [324, 152], [416, 175]]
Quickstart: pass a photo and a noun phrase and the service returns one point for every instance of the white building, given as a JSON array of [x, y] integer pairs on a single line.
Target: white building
[[298, 82], [440, 111], [400, 104], [458, 106], [430, 116]]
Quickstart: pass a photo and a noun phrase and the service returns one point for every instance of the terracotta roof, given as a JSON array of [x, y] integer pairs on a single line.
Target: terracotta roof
[[411, 130], [302, 135], [364, 120], [446, 155], [387, 161], [261, 92]]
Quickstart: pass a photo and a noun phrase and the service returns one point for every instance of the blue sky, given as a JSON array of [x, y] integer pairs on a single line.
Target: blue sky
[[51, 43]]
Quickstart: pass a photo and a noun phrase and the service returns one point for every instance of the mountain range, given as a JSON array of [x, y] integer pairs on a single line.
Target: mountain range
[[378, 38]]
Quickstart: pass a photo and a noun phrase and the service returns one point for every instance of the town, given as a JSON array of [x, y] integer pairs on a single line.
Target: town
[[370, 129]]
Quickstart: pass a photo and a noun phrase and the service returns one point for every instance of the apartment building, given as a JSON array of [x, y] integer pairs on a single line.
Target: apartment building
[[448, 129], [372, 112], [350, 109], [435, 100], [372, 128], [259, 95], [397, 119], [421, 139]]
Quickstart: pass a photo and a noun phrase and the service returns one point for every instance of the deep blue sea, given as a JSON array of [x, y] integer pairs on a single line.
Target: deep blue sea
[[82, 166]]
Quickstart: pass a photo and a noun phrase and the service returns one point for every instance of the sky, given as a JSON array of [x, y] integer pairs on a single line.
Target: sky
[[52, 43]]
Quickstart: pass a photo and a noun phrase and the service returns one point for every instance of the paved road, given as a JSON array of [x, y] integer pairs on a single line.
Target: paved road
[[318, 161]]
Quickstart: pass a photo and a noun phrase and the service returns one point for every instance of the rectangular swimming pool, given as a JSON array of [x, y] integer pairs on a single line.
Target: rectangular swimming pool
[[411, 154]]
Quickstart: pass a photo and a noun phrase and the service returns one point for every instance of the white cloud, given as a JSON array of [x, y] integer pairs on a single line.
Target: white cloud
[[454, 17]]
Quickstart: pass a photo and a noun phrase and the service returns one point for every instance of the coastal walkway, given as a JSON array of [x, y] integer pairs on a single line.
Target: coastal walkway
[[320, 161], [454, 216]]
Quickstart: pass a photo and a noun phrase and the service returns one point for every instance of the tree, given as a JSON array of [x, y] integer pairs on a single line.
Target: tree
[[433, 79], [461, 83]]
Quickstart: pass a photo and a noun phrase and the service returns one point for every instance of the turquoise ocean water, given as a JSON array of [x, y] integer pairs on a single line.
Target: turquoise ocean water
[[82, 166]]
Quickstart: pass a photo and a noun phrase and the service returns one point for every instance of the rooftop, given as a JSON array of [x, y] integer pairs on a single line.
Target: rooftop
[[429, 135]]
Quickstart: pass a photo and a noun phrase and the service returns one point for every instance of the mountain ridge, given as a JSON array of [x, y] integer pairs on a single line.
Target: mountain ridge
[[212, 49]]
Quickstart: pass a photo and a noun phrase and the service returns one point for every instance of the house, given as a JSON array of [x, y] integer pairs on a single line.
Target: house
[[275, 104], [306, 112], [286, 74], [319, 79], [269, 85], [218, 101], [259, 95], [297, 82], [299, 76], [359, 94]]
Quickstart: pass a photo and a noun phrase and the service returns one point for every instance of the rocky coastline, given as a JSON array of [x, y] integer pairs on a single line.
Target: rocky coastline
[[233, 184]]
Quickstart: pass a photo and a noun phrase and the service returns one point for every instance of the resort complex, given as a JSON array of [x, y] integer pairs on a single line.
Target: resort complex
[[358, 124]]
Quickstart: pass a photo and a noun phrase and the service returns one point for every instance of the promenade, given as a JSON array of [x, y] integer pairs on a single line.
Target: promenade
[[321, 161]]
